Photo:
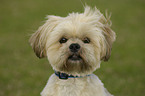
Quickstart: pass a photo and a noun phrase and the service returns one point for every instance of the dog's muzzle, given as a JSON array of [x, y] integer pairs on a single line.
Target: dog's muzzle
[[74, 57], [74, 47]]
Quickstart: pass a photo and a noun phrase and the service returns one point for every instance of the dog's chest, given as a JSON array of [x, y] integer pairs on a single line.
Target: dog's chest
[[90, 86], [70, 88]]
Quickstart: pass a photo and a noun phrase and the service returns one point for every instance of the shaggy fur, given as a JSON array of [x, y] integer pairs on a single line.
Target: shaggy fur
[[75, 28]]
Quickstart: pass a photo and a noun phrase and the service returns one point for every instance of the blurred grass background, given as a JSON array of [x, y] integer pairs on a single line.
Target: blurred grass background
[[23, 74]]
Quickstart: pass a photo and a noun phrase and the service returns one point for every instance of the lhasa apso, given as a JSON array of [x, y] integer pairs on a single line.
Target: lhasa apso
[[75, 46]]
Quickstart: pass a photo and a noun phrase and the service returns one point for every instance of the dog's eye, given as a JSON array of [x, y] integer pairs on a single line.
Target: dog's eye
[[86, 40], [63, 40]]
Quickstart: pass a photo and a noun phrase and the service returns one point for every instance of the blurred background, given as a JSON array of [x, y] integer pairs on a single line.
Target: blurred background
[[23, 74]]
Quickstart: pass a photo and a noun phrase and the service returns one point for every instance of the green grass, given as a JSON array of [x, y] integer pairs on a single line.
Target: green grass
[[23, 74]]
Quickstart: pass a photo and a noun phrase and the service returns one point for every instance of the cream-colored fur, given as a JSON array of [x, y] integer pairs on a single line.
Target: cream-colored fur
[[75, 28], [87, 86]]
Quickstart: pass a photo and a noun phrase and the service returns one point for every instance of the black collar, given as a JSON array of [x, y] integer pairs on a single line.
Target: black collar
[[66, 76]]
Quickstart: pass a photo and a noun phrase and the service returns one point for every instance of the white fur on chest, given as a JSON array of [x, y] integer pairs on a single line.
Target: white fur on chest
[[87, 86]]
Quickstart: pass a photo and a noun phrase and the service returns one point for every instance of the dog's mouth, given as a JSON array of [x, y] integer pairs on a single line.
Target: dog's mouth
[[75, 57]]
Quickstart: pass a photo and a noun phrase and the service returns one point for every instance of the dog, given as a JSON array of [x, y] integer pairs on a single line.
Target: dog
[[75, 46]]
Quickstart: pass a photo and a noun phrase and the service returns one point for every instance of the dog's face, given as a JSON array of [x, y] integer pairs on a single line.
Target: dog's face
[[74, 47], [75, 44]]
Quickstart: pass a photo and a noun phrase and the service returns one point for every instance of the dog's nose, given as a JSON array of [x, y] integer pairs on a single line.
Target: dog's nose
[[74, 47]]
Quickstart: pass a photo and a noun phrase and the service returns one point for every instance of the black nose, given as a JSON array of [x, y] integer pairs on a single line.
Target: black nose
[[74, 47]]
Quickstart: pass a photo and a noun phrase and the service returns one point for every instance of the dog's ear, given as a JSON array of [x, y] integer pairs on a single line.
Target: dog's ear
[[109, 35], [109, 39], [39, 38]]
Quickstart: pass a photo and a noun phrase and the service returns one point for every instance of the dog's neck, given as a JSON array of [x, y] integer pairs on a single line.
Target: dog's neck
[[65, 76]]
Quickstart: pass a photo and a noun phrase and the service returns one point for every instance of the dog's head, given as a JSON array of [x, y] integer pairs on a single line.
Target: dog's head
[[75, 44]]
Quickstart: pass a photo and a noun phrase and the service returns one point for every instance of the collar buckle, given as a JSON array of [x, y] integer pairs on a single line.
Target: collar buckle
[[62, 75]]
